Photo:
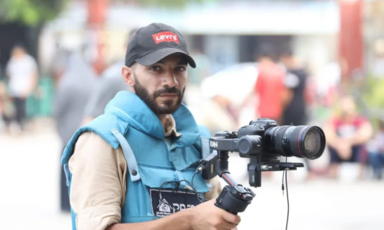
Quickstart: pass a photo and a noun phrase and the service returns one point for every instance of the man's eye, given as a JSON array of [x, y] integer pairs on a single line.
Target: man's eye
[[180, 69], [155, 68]]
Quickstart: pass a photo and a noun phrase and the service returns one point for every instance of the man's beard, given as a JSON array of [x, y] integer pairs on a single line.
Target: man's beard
[[168, 107]]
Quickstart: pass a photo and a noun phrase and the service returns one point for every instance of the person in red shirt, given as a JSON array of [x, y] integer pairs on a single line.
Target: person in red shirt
[[346, 133], [269, 89]]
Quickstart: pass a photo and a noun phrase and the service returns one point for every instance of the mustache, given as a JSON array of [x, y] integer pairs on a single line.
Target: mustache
[[167, 90]]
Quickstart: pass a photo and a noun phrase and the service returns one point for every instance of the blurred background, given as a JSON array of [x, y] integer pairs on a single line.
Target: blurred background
[[300, 62]]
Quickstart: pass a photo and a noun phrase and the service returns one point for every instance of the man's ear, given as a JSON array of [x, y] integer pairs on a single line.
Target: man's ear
[[128, 77]]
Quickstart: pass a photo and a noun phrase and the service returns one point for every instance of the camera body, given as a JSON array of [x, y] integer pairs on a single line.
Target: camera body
[[257, 127], [250, 137]]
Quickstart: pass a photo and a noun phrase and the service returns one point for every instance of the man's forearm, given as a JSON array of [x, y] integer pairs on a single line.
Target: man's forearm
[[179, 221], [363, 135], [33, 82]]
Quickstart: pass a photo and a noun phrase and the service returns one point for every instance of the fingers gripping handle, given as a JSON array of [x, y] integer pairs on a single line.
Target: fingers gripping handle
[[234, 199]]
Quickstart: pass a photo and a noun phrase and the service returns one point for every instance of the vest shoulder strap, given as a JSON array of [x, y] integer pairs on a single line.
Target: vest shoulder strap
[[130, 158]]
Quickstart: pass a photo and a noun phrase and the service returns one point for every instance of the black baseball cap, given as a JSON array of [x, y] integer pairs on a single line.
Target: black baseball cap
[[154, 42]]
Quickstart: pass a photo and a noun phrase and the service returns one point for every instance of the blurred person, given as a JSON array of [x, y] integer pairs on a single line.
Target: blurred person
[[376, 152], [295, 111], [72, 94], [329, 80], [106, 88], [269, 88], [22, 72], [122, 166], [346, 134], [7, 110], [59, 62]]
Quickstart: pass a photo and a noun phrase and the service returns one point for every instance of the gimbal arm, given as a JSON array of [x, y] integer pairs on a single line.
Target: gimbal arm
[[235, 197]]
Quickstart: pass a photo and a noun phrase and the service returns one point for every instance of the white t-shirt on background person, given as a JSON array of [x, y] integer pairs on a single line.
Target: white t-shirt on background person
[[20, 72]]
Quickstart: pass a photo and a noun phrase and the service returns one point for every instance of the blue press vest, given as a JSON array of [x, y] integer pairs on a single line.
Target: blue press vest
[[156, 159]]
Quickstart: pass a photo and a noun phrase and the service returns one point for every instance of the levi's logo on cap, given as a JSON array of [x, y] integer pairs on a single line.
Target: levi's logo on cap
[[165, 37]]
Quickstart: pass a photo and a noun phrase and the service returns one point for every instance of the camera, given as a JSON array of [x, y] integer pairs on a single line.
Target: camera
[[264, 142]]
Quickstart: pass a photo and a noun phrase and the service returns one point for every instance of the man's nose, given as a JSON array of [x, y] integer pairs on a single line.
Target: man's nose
[[170, 80]]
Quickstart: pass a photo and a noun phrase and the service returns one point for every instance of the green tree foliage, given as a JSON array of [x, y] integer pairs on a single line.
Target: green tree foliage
[[374, 98], [35, 12], [30, 12], [375, 93], [165, 3]]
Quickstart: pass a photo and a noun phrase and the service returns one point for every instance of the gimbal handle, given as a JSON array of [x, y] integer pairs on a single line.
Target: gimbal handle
[[235, 197]]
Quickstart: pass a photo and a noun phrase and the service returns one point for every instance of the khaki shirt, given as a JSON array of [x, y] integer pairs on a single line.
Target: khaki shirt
[[99, 180]]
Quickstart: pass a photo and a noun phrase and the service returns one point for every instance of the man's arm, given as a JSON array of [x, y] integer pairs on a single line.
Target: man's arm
[[34, 78], [286, 98], [363, 134], [202, 217], [97, 191], [179, 220]]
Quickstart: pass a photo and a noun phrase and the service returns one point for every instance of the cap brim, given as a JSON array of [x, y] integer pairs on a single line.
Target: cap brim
[[157, 55]]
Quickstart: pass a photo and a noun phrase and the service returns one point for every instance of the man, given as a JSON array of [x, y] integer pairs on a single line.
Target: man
[[59, 62], [108, 85], [23, 79], [70, 98], [295, 109], [134, 167], [346, 133], [295, 81], [105, 89], [269, 88], [375, 149]]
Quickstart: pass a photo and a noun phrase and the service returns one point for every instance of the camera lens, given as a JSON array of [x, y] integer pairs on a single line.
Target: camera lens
[[300, 141], [312, 142]]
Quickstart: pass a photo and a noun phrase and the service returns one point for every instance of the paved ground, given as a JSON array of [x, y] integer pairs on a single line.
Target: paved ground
[[29, 194]]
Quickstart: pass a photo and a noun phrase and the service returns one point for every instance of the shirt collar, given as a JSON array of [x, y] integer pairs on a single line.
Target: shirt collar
[[170, 126]]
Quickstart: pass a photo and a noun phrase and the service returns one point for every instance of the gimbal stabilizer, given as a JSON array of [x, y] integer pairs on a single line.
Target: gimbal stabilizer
[[234, 197], [263, 142]]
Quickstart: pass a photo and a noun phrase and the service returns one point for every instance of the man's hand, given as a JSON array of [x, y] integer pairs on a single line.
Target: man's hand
[[207, 216]]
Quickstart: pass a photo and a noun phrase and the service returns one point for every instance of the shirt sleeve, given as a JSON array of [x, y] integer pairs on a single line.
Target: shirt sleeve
[[291, 80], [32, 64], [98, 183]]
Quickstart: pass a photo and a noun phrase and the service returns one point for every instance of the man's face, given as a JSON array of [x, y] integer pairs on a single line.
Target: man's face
[[18, 52], [348, 107], [161, 86]]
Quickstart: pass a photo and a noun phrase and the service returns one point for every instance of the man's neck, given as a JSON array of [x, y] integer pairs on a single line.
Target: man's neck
[[163, 118]]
